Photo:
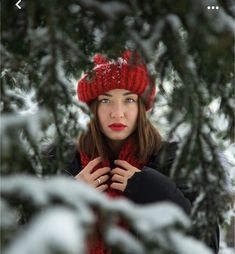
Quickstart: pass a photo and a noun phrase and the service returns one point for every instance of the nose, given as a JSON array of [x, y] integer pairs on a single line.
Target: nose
[[117, 111]]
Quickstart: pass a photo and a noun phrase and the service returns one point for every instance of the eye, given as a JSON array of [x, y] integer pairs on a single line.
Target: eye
[[104, 100], [130, 100]]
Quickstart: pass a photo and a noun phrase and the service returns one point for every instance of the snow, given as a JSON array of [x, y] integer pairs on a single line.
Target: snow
[[124, 241], [31, 121], [8, 216], [214, 106], [56, 229], [224, 248], [61, 77], [63, 225], [148, 45], [187, 246], [83, 119], [31, 116], [45, 61], [172, 215], [74, 8], [27, 97], [229, 172]]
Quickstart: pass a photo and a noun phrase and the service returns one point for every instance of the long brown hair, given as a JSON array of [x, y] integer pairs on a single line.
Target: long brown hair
[[93, 141]]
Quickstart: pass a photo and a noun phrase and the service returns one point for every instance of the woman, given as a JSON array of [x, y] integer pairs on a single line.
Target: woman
[[122, 153], [121, 142]]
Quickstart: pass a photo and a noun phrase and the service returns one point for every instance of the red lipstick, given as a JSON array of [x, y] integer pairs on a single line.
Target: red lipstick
[[117, 126]]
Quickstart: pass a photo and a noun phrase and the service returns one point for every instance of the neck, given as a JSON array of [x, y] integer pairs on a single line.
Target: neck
[[115, 146]]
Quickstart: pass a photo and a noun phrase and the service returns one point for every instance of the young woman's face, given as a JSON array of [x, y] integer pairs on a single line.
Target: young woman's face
[[117, 113]]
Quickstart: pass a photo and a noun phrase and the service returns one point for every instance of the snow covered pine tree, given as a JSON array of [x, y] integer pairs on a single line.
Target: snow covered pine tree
[[45, 47]]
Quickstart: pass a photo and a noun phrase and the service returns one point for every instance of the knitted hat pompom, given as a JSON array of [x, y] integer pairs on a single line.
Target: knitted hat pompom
[[99, 59], [127, 72]]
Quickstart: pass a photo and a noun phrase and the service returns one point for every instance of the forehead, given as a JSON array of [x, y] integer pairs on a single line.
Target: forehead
[[118, 92]]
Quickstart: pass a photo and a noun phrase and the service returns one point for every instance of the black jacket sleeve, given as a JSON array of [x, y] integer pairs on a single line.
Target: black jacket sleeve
[[152, 184], [149, 186]]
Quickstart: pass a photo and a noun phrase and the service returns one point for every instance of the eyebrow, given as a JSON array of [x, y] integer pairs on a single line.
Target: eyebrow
[[109, 95]]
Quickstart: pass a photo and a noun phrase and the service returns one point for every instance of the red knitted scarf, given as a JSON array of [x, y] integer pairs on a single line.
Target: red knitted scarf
[[126, 153]]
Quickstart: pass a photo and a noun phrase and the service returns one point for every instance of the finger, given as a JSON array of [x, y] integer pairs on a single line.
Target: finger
[[84, 176], [102, 187], [89, 167], [104, 178], [118, 178], [99, 172], [99, 181], [118, 171], [123, 164], [118, 186]]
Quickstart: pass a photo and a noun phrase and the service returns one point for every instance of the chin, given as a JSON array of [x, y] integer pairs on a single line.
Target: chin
[[117, 136]]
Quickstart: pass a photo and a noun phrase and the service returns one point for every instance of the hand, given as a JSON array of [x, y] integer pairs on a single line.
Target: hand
[[121, 175], [97, 178]]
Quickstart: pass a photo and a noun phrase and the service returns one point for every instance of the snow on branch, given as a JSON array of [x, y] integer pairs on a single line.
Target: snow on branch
[[46, 234], [32, 121], [68, 211]]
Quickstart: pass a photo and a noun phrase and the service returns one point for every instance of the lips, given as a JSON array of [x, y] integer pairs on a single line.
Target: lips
[[117, 126]]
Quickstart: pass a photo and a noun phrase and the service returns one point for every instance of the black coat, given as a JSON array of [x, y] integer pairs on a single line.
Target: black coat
[[153, 184]]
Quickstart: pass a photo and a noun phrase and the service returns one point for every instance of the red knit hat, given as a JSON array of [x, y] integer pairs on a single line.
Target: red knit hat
[[128, 72]]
